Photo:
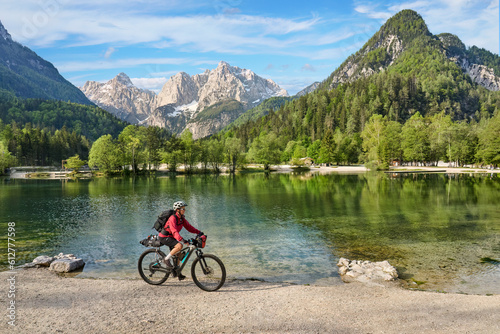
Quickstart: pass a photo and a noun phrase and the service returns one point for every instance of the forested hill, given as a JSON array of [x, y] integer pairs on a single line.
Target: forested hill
[[33, 94], [404, 33], [408, 72], [27, 75], [38, 132], [89, 121], [261, 110], [402, 72], [413, 62]]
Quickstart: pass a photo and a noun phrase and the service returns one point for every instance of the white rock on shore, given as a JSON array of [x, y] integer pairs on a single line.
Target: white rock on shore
[[66, 265], [43, 260], [366, 271], [62, 263]]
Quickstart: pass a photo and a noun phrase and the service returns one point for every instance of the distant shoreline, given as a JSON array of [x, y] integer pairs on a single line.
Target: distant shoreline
[[288, 169], [362, 169]]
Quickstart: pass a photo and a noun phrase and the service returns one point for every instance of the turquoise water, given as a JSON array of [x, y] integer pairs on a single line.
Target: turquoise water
[[280, 227]]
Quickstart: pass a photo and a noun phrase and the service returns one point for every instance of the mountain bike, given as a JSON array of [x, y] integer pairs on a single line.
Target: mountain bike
[[207, 271]]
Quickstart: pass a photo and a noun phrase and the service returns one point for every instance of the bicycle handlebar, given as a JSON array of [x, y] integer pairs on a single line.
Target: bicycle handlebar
[[195, 241]]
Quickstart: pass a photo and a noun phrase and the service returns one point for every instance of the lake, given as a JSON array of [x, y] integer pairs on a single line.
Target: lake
[[438, 230]]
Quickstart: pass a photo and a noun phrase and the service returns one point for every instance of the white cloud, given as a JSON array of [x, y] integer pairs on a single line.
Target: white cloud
[[153, 84], [269, 67], [340, 53], [75, 66], [231, 11], [475, 23], [371, 12], [295, 84], [109, 52], [418, 6], [334, 37], [308, 67], [83, 26]]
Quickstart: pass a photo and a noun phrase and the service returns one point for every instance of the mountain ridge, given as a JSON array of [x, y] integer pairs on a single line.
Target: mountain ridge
[[183, 98], [400, 33], [121, 98], [28, 75]]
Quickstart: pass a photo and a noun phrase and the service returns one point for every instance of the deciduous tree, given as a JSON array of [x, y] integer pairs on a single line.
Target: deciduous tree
[[105, 155], [74, 163]]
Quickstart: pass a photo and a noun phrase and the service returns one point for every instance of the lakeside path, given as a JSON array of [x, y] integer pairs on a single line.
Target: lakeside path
[[47, 303], [317, 170]]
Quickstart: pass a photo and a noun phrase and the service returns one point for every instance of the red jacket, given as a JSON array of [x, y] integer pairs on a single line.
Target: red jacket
[[175, 224]]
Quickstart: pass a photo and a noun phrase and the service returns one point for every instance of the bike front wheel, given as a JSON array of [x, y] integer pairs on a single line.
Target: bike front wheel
[[149, 264], [208, 272]]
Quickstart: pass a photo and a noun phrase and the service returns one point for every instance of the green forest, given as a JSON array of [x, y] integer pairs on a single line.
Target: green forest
[[36, 132], [418, 109], [395, 115]]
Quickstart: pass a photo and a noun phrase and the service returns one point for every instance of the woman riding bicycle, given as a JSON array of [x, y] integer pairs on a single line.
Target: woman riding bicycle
[[169, 235]]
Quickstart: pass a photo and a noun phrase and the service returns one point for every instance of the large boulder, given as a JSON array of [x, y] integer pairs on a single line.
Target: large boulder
[[43, 260], [66, 265], [62, 263], [366, 271]]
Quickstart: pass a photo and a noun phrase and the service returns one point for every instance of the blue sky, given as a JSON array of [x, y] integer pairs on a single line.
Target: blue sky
[[291, 42]]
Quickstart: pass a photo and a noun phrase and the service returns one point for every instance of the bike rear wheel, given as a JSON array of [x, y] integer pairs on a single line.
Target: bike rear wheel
[[208, 272], [149, 263]]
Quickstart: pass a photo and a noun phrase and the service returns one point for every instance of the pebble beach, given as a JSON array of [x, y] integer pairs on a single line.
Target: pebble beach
[[48, 303]]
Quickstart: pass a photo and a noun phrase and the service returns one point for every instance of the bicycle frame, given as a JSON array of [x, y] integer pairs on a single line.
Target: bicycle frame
[[189, 251]]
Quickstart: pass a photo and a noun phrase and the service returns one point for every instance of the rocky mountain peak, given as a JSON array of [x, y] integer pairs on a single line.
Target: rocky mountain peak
[[223, 70], [223, 64], [183, 98], [382, 49], [179, 90], [471, 64], [121, 98], [4, 33], [123, 79], [225, 82]]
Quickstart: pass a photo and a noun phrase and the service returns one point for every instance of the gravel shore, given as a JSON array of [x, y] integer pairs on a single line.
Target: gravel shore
[[48, 303]]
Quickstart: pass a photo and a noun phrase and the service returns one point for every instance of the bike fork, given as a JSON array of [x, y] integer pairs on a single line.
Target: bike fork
[[203, 263]]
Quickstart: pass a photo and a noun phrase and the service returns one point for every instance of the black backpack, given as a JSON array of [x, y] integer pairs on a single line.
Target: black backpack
[[162, 220]]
